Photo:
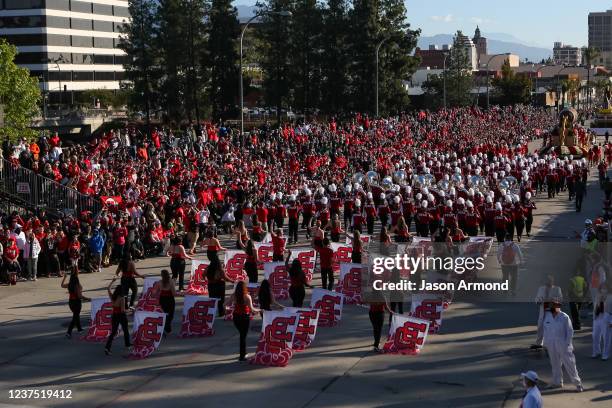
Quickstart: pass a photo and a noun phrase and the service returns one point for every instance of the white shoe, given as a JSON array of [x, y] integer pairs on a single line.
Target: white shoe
[[579, 388]]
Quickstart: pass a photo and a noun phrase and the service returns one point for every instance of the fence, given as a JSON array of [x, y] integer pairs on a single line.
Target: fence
[[29, 189]]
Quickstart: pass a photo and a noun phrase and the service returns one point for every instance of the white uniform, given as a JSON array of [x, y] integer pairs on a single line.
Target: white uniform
[[602, 333], [545, 294], [533, 398], [558, 333]]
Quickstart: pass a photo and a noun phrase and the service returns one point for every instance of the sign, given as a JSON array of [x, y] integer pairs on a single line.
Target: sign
[[429, 307], [23, 188], [306, 329], [308, 259], [278, 277], [274, 345], [342, 254], [264, 253], [100, 326], [149, 301], [148, 331], [329, 305], [349, 283], [253, 289], [407, 335], [198, 316], [198, 283], [234, 264]]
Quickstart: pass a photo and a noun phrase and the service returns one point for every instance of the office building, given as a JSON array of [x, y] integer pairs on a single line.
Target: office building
[[600, 36], [70, 45], [564, 54]]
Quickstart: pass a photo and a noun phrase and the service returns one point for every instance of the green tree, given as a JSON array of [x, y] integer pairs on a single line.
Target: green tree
[[19, 94], [197, 78], [139, 41], [334, 65], [223, 56], [512, 88]]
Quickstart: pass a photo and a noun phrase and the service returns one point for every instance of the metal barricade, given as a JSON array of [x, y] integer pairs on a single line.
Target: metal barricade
[[29, 189]]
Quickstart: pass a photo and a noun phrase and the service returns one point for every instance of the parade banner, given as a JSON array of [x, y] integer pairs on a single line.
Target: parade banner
[[149, 301], [234, 264], [100, 326], [147, 333], [264, 254], [198, 283], [329, 305], [365, 239], [342, 254], [277, 332], [407, 335], [424, 243], [306, 329], [267, 238], [198, 316], [478, 247], [278, 277], [308, 259], [428, 306], [349, 283], [253, 289]]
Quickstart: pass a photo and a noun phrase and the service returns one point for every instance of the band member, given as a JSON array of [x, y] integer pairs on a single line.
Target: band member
[[370, 212]]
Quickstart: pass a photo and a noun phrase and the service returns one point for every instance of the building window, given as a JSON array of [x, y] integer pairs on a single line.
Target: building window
[[59, 76], [60, 57], [82, 76], [119, 76], [87, 59], [102, 9], [121, 59], [103, 26], [101, 59], [104, 76], [119, 27], [22, 4], [120, 11], [58, 5], [25, 39], [57, 22], [31, 58], [80, 7], [100, 42], [81, 24], [78, 41], [21, 22], [59, 40]]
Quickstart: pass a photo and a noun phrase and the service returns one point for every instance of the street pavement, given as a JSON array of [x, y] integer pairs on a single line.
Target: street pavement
[[475, 360]]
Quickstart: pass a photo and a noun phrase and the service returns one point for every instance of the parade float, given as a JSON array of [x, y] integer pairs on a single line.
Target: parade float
[[567, 138]]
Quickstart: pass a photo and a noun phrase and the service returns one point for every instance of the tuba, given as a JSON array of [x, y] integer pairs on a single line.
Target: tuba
[[400, 177], [371, 177], [387, 183], [358, 178]]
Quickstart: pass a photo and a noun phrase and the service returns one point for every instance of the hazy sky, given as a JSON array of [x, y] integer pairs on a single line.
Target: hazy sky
[[540, 22]]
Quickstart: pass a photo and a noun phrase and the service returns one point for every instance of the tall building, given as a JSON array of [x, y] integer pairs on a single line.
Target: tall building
[[464, 42], [70, 45], [600, 36], [433, 57], [480, 42], [565, 54]]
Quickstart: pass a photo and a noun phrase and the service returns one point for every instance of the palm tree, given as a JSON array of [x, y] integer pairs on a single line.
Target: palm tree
[[590, 54]]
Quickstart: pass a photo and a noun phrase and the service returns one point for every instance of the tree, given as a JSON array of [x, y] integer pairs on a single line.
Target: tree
[[223, 57], [195, 12], [139, 42], [590, 54], [334, 66], [511, 88], [459, 81], [19, 94]]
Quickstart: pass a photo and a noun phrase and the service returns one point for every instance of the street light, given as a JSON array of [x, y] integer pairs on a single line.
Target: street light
[[278, 13], [489, 76]]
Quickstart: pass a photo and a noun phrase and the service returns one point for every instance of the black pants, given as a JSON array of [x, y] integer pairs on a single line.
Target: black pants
[[280, 222], [528, 222], [422, 230], [217, 290], [119, 319], [356, 257], [377, 319], [53, 267], [575, 314], [306, 221], [489, 227], [327, 278], [212, 255], [75, 307], [251, 270], [579, 198], [129, 283], [472, 231], [167, 304], [277, 258], [370, 224], [177, 266], [242, 323], [551, 190], [397, 307], [293, 229], [500, 233], [519, 225], [297, 294], [510, 273]]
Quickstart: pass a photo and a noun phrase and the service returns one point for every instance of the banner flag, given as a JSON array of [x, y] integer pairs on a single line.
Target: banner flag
[[234, 264], [198, 316], [264, 254], [342, 254], [198, 284], [100, 326], [308, 259], [147, 333], [428, 306], [274, 345], [329, 305], [366, 239], [407, 335], [349, 283], [278, 277], [253, 289], [306, 329], [149, 301], [267, 238]]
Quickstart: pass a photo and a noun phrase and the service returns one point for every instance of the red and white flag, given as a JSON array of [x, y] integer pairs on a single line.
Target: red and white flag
[[407, 335], [234, 264], [365, 239], [274, 345], [198, 283], [264, 253], [308, 319], [308, 259], [428, 306], [198, 316], [342, 254], [329, 305], [253, 289], [147, 334], [278, 277], [349, 283], [149, 300], [100, 326]]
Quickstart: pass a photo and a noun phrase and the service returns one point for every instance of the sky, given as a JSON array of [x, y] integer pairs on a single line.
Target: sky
[[535, 22]]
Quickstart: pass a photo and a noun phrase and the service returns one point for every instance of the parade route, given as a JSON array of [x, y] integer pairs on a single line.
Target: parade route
[[475, 360]]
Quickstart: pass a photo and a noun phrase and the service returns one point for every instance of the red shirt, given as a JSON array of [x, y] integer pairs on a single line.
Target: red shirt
[[326, 255], [278, 245]]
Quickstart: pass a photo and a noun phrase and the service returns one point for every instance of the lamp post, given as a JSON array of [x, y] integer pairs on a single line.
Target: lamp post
[[377, 50], [279, 13], [489, 76], [446, 54], [59, 78]]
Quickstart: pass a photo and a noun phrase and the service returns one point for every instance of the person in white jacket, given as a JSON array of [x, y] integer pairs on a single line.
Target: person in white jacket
[[602, 320], [31, 250], [546, 294], [558, 333]]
